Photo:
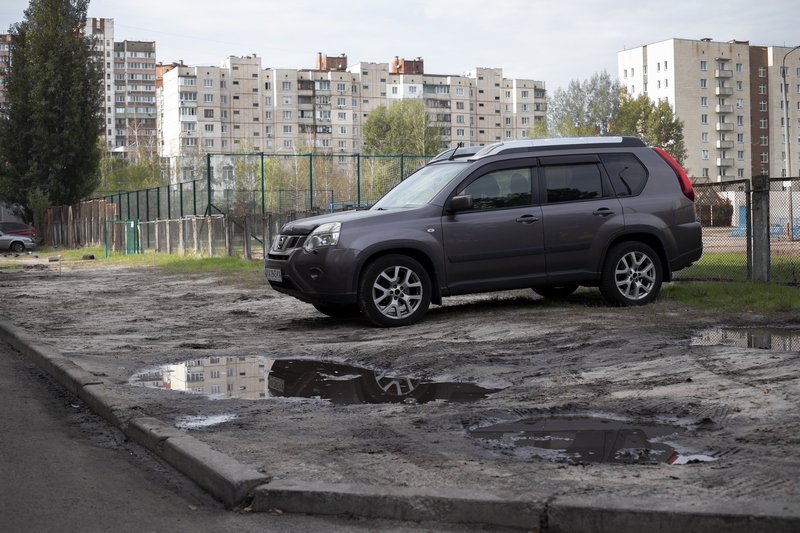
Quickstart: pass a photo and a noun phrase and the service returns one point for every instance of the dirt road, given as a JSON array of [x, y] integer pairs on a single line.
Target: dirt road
[[733, 411]]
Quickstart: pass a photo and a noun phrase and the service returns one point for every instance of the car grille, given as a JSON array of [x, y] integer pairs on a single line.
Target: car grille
[[284, 243]]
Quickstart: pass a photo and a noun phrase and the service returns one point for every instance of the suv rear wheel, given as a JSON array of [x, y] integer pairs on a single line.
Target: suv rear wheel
[[394, 290], [632, 274]]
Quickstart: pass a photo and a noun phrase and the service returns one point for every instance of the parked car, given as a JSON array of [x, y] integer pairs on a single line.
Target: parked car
[[15, 243], [549, 214], [18, 228]]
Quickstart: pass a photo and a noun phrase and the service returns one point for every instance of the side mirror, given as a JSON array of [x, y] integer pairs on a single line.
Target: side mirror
[[461, 203]]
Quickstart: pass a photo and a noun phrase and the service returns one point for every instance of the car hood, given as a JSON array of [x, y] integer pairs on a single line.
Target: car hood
[[304, 226]]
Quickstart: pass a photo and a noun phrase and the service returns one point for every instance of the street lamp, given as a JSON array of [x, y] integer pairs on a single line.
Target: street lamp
[[788, 163]]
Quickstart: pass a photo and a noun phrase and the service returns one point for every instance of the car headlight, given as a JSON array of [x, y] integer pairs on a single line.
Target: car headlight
[[323, 235]]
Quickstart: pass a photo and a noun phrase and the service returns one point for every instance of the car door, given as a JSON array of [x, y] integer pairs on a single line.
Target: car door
[[498, 244], [580, 215]]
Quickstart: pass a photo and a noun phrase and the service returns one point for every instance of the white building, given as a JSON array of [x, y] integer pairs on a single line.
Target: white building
[[240, 107], [729, 96]]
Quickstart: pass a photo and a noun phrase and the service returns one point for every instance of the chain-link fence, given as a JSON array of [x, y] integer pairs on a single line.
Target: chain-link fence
[[726, 213]]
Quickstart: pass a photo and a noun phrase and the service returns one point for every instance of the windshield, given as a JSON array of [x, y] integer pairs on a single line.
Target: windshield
[[421, 187]]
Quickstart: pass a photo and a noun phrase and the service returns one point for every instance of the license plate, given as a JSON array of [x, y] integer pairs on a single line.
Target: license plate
[[273, 274]]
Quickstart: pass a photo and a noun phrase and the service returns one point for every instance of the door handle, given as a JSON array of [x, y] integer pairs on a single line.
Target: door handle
[[527, 219], [603, 212]]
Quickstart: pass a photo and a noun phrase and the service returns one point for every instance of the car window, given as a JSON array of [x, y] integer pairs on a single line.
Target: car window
[[571, 183], [500, 189], [420, 187], [628, 175]]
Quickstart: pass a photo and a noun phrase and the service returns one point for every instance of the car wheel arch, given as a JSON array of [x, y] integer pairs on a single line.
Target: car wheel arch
[[650, 239], [415, 253]]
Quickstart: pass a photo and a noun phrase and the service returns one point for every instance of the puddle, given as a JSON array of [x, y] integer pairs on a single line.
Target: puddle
[[784, 340], [253, 377], [588, 440], [200, 421]]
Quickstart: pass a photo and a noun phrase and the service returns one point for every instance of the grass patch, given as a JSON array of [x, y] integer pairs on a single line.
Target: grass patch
[[735, 296], [168, 262]]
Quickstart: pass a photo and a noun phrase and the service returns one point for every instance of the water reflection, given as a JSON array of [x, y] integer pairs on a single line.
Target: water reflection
[[778, 339], [253, 377], [596, 440]]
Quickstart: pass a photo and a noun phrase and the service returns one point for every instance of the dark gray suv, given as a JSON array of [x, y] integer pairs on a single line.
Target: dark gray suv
[[549, 214]]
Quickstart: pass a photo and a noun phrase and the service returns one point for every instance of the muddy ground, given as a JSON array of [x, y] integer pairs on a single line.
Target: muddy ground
[[737, 408]]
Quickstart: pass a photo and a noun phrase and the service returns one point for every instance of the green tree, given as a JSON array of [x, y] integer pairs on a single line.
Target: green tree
[[655, 123], [48, 137], [401, 128], [584, 108]]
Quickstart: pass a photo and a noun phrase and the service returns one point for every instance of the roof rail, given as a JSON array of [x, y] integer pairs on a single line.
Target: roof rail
[[532, 145]]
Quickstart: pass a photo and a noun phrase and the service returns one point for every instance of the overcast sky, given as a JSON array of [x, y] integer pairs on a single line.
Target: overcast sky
[[553, 41]]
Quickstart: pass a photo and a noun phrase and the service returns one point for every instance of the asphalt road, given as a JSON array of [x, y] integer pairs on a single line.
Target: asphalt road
[[64, 469]]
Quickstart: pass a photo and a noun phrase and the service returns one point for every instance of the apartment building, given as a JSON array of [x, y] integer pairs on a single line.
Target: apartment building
[[240, 107], [729, 96], [5, 63]]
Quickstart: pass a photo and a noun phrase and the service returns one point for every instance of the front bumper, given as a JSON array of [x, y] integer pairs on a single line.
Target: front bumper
[[324, 276]]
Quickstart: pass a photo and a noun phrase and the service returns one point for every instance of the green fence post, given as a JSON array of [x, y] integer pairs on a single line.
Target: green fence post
[[169, 203], [402, 167], [208, 185], [194, 197], [158, 203], [128, 201], [311, 181], [358, 180], [263, 199], [180, 195]]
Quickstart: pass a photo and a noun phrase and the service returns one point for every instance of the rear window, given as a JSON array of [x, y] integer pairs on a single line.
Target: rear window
[[628, 175]]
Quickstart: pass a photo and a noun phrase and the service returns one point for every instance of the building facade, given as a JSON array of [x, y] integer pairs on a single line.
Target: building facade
[[129, 92], [730, 97], [241, 107]]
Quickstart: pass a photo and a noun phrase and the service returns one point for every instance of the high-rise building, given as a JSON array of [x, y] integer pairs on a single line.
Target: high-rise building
[[129, 92], [5, 63], [730, 97], [240, 107]]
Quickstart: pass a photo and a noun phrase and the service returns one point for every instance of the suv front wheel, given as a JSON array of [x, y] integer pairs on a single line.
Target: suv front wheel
[[394, 290], [632, 274]]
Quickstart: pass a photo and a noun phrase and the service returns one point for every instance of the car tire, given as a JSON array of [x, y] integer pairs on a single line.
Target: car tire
[[338, 310], [394, 290], [17, 247], [632, 275], [555, 292]]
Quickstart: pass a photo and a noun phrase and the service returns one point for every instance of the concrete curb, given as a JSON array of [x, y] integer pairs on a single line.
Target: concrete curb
[[398, 503], [227, 480], [233, 483]]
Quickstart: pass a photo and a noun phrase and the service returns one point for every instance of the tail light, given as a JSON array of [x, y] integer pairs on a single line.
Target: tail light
[[683, 179]]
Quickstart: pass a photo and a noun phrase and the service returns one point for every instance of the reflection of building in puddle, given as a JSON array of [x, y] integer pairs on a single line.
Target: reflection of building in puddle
[[253, 377], [759, 338], [232, 377], [596, 440]]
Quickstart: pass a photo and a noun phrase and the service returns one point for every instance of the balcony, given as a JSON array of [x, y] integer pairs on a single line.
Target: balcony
[[724, 162], [723, 73], [724, 109], [724, 126], [724, 145], [724, 91]]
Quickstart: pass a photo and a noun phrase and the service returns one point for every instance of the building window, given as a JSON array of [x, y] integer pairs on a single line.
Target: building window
[[764, 140], [739, 120], [739, 86], [762, 72], [287, 129], [703, 119], [704, 137], [739, 103], [703, 154], [287, 100], [209, 127], [209, 143], [703, 66], [740, 155], [739, 68], [703, 83], [287, 115], [704, 101], [208, 98], [208, 113], [764, 157], [763, 123], [740, 137], [762, 106], [287, 143], [705, 172], [286, 86]]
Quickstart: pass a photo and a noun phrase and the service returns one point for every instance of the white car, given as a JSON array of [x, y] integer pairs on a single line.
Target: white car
[[15, 243]]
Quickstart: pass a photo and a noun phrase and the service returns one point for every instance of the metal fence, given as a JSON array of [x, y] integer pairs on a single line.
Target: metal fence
[[725, 211], [257, 193], [240, 184]]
